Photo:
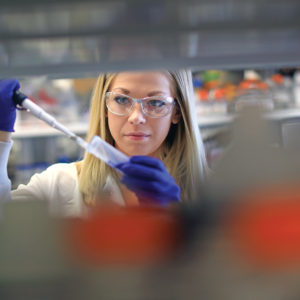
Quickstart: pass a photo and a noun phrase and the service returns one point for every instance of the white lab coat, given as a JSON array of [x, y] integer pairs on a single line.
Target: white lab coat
[[58, 185]]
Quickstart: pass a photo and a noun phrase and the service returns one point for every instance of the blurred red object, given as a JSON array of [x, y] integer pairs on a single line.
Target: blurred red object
[[265, 226], [129, 235]]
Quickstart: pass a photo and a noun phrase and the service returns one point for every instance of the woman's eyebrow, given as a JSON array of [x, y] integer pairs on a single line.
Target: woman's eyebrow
[[155, 93], [125, 91]]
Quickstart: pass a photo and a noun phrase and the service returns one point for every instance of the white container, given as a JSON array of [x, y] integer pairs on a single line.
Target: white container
[[296, 89]]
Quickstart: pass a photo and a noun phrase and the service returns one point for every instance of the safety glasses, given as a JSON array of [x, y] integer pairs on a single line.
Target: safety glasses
[[152, 107]]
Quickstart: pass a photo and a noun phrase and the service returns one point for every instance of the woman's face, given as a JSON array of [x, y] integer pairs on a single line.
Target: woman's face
[[137, 134]]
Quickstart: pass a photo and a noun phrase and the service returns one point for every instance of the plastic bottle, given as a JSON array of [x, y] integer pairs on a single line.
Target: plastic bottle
[[230, 91], [198, 84], [253, 92], [203, 106], [219, 102], [281, 89], [212, 79], [212, 82], [296, 88], [67, 103]]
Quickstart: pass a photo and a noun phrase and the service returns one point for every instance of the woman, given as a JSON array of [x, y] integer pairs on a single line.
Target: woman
[[150, 117]]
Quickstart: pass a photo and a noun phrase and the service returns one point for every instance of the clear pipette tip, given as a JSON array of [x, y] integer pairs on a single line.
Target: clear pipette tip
[[103, 150]]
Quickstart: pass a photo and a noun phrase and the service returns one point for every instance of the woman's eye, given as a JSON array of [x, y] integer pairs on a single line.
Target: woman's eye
[[156, 103], [121, 100]]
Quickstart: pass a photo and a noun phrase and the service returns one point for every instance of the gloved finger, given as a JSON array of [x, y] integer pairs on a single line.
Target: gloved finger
[[148, 161], [154, 189], [142, 172], [149, 197], [137, 184], [9, 86]]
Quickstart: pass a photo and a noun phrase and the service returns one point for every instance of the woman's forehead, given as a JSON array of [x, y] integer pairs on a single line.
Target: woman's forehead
[[152, 80], [155, 78]]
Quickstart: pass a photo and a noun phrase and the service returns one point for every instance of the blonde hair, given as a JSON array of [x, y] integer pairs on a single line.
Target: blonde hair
[[182, 151]]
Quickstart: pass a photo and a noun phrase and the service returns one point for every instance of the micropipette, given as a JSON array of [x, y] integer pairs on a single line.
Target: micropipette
[[98, 147]]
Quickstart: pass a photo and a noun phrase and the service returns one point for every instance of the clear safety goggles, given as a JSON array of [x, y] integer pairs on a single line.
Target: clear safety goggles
[[152, 107]]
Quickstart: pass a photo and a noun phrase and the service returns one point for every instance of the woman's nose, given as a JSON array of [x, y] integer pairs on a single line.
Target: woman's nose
[[136, 115]]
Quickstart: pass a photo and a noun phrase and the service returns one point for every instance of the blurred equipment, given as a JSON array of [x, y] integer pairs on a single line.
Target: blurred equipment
[[242, 239], [70, 38]]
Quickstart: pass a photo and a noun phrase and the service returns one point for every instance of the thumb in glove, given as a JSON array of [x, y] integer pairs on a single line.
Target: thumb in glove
[[7, 106]]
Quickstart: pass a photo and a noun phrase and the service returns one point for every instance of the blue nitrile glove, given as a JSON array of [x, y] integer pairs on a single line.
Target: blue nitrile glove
[[7, 106], [150, 180]]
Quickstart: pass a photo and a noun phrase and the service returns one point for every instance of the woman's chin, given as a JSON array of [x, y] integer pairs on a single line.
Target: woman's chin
[[137, 151]]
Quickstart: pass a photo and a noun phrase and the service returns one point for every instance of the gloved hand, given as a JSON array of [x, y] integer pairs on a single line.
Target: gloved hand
[[7, 106], [150, 180]]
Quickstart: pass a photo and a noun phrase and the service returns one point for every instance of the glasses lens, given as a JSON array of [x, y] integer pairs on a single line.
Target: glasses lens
[[118, 104], [157, 106], [154, 107]]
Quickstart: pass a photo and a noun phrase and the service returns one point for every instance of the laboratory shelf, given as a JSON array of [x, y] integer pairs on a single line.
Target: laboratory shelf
[[40, 129], [214, 120], [284, 114], [71, 38]]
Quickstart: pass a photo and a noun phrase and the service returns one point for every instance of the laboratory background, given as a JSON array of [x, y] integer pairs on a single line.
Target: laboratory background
[[242, 54], [217, 99]]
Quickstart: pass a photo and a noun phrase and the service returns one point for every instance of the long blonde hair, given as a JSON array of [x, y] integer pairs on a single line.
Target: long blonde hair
[[182, 151]]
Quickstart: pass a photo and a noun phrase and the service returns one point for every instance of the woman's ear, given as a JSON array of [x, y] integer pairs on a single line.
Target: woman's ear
[[176, 116]]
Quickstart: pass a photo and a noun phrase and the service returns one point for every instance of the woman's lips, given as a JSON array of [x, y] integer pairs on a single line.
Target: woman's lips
[[137, 136]]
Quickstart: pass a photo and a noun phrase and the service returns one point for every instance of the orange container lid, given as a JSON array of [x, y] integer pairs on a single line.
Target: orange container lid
[[252, 84], [265, 226], [211, 84], [219, 94], [203, 95], [129, 235], [277, 78]]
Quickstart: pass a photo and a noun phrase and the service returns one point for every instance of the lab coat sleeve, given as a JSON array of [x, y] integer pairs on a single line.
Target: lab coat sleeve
[[36, 189], [58, 186], [5, 184]]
